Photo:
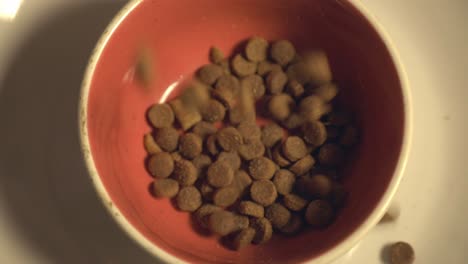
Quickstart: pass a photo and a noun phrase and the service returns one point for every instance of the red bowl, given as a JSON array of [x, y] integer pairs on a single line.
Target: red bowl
[[179, 34]]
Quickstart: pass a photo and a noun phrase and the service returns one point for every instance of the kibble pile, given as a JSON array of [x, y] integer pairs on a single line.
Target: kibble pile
[[245, 181]]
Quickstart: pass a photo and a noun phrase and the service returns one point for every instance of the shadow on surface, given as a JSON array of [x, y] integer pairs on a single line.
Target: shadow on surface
[[44, 183]]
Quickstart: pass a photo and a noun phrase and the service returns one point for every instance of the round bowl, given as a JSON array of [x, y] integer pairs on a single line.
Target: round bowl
[[179, 34]]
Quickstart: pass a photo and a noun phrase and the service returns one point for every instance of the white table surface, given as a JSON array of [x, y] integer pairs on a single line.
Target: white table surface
[[49, 212]]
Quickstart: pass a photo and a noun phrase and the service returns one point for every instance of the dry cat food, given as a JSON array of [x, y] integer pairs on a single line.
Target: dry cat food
[[245, 181]]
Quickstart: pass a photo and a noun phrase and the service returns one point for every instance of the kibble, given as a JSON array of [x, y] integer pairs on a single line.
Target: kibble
[[185, 172], [222, 222], [279, 158], [265, 67], [189, 199], [312, 108], [210, 73], [271, 134], [242, 181], [243, 238], [263, 230], [255, 84], [326, 91], [330, 155], [206, 191], [262, 168], [165, 188], [319, 186], [250, 208], [401, 253], [314, 133], [161, 115], [225, 95], [252, 149], [243, 67], [204, 129], [167, 138], [220, 174], [226, 196], [190, 145], [293, 226], [294, 202], [256, 49], [319, 213], [263, 192], [186, 115], [293, 121], [278, 215], [303, 165], [150, 144], [213, 112], [249, 130], [294, 148], [280, 106], [295, 88], [229, 138], [282, 52], [202, 213], [318, 67], [229, 82], [284, 181], [201, 163], [211, 145], [216, 55], [231, 158], [161, 165], [276, 81]]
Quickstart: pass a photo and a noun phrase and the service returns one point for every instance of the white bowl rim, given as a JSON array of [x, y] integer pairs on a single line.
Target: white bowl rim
[[324, 258]]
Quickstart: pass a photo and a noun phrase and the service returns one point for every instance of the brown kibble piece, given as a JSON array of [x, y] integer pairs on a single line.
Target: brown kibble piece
[[401, 253], [150, 145], [216, 55], [326, 91], [190, 145], [295, 88], [256, 49], [165, 188], [229, 138], [294, 202], [318, 185], [280, 106], [349, 136], [243, 67], [303, 165], [189, 199], [161, 115], [204, 129], [186, 115], [255, 84], [293, 121], [249, 130], [242, 221], [275, 81], [231, 158], [242, 181], [318, 67], [251, 209], [230, 83], [263, 192], [279, 158], [185, 172], [282, 52], [319, 213], [225, 96], [243, 238], [144, 68], [263, 230], [330, 155], [220, 174], [294, 148], [278, 215], [222, 222], [210, 73], [284, 181], [176, 156], [312, 108], [298, 71], [293, 226], [225, 196], [265, 67], [213, 111], [271, 134], [314, 133], [211, 145], [202, 213], [167, 138], [236, 116], [201, 163], [226, 66], [262, 168], [252, 149], [207, 191], [161, 165]]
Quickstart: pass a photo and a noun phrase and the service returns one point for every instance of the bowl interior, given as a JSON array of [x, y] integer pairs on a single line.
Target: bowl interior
[[179, 34]]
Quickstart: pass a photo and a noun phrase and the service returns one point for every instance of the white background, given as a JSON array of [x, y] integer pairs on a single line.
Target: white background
[[50, 214]]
